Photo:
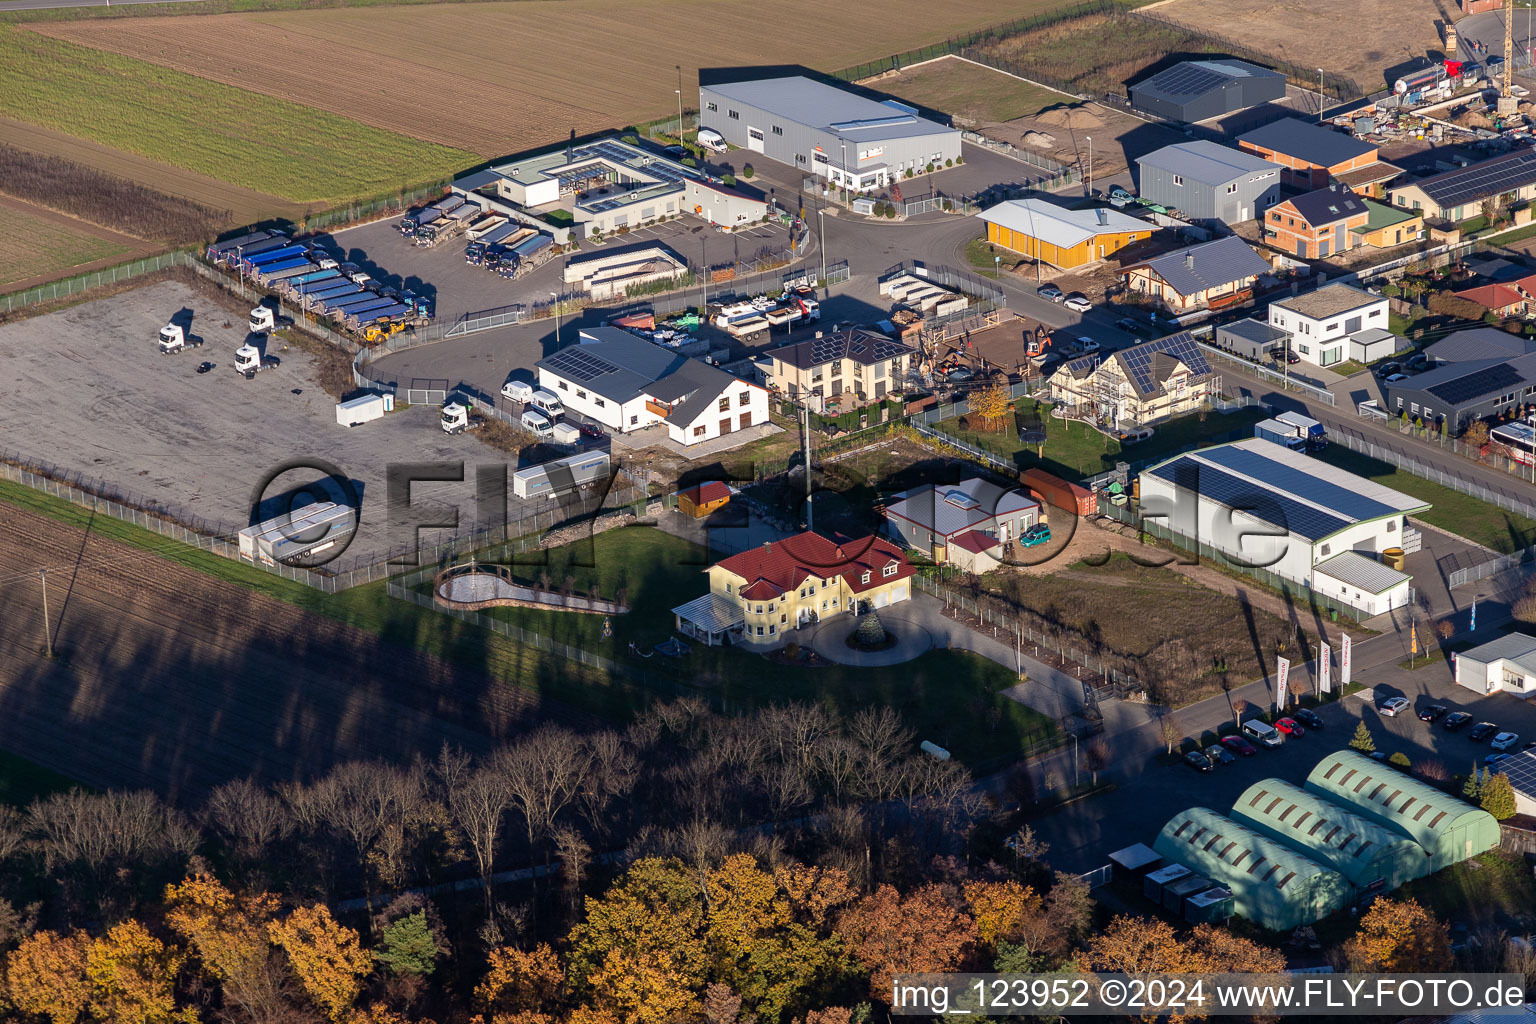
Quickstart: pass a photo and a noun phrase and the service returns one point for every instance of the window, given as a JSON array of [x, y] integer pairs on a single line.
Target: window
[[725, 404], [698, 431], [1399, 401], [1178, 179], [563, 386], [772, 629], [1331, 328], [770, 606], [1232, 188], [1326, 547], [783, 618], [865, 577], [777, 130], [890, 570], [598, 402], [799, 158], [1353, 324], [744, 399], [1428, 411], [1413, 407], [634, 420], [580, 393], [759, 630], [1391, 525], [733, 115], [712, 106], [759, 609]]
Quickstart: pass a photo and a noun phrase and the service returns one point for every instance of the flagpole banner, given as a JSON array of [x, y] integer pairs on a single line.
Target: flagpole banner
[[1324, 669], [1283, 670], [1344, 661]]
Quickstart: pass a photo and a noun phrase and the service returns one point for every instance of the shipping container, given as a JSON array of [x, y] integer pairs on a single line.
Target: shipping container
[[1054, 490], [363, 409], [554, 478], [283, 270]]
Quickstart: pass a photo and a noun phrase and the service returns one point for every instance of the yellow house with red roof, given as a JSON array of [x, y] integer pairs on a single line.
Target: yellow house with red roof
[[758, 596]]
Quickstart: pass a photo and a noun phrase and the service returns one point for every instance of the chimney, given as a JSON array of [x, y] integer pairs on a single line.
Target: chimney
[[1103, 215], [840, 552], [767, 546], [1189, 260]]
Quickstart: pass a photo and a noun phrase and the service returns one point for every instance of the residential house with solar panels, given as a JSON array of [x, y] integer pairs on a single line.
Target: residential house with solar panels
[[1196, 90], [1137, 386], [969, 524], [1458, 394], [1258, 504], [853, 361], [604, 185], [1209, 183], [1448, 829], [1521, 769], [1322, 223], [1505, 665], [627, 384], [1458, 195], [1370, 856], [1212, 275], [761, 596], [1312, 156], [1065, 239], [825, 131], [1272, 884], [1335, 322]]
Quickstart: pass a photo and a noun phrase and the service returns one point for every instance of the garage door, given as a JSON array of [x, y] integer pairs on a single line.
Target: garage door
[[882, 599]]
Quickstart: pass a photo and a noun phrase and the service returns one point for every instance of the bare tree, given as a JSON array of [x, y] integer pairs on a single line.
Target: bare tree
[[13, 831], [1169, 727], [837, 761], [248, 819], [612, 769], [575, 855], [356, 803], [478, 802], [542, 773], [883, 743], [785, 786], [792, 730]]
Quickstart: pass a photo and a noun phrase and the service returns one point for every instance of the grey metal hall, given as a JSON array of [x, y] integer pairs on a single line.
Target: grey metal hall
[[826, 132]]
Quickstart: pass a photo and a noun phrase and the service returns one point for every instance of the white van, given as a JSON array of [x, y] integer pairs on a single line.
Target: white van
[[536, 422], [517, 391], [1263, 733], [548, 402]]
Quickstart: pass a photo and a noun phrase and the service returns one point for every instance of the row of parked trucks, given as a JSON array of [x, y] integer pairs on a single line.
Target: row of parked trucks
[[509, 249], [313, 279]]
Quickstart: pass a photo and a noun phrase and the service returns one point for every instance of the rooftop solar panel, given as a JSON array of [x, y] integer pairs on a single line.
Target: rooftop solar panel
[[1252, 500], [579, 365], [1189, 80], [1331, 496], [1501, 377], [1476, 181]]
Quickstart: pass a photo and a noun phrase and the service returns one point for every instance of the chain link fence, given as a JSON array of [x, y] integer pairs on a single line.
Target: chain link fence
[[83, 283]]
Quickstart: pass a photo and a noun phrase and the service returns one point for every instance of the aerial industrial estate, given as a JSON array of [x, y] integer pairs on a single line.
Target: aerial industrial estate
[[704, 533]]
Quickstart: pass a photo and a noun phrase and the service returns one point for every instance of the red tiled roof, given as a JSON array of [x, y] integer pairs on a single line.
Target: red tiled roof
[[709, 491], [975, 541], [1494, 296], [782, 566]]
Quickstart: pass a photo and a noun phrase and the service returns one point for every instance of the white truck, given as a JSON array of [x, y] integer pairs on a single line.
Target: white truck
[[174, 339], [456, 418], [248, 361], [263, 321]]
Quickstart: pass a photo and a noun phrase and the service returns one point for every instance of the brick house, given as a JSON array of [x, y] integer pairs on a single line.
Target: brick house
[[1317, 224], [1312, 156]]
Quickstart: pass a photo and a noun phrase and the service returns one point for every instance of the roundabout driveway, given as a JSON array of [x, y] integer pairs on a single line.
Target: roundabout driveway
[[830, 641]]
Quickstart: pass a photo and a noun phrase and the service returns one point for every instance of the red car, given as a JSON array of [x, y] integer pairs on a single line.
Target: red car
[[1291, 727], [1239, 746]]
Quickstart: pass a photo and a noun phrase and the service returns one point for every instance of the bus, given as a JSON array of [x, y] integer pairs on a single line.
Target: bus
[[1519, 438]]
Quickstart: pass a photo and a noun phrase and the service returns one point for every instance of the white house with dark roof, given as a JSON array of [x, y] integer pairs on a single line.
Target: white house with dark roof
[[1261, 505], [1504, 665], [853, 361], [627, 384], [966, 524], [1209, 183], [1324, 324], [1211, 275], [1137, 386]]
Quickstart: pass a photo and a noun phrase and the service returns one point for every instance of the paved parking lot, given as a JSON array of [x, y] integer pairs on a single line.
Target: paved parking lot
[[91, 393]]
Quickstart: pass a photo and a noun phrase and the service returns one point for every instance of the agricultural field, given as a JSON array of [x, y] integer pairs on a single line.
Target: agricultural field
[[1382, 33], [506, 93], [37, 244], [219, 130], [973, 93]]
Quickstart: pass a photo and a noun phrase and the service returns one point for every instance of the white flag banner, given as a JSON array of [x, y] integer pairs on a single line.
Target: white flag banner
[[1324, 668], [1283, 670], [1344, 662]]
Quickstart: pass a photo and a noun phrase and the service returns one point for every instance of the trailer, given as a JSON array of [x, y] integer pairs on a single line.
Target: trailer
[[307, 284], [231, 257], [359, 319], [465, 214], [218, 252], [302, 533], [335, 288], [436, 234], [328, 304], [448, 204], [283, 269], [364, 409], [1280, 433], [550, 479], [1307, 428], [262, 259], [484, 226], [359, 302], [503, 232], [528, 247]]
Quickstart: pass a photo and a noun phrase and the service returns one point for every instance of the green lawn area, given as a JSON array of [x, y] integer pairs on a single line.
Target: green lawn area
[[950, 697], [261, 142], [1459, 513], [980, 254], [954, 86], [21, 781], [1075, 450], [33, 246]]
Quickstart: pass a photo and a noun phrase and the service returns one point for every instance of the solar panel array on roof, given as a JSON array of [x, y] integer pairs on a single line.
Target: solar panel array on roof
[[1521, 770], [579, 365], [1481, 382], [1240, 495], [1182, 346], [1304, 485], [1490, 177], [1189, 79]]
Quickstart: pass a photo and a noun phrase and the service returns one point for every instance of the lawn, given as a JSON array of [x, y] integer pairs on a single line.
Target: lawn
[[974, 92], [982, 254], [32, 246], [271, 145], [1458, 513], [1074, 450], [950, 697]]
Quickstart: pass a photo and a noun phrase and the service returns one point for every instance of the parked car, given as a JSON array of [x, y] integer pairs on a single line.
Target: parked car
[[1119, 197], [1127, 325], [1133, 436], [1379, 755], [1198, 761], [517, 391], [1239, 746], [1307, 717], [590, 430], [1504, 740], [1392, 706], [1291, 727], [1493, 759], [1077, 302], [1431, 712], [1386, 370], [1050, 291], [1035, 535], [960, 373], [675, 152], [1219, 754], [1395, 378], [1418, 362], [1481, 731], [1456, 720]]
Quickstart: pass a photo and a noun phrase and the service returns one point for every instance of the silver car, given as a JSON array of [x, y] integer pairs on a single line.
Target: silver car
[[1393, 706]]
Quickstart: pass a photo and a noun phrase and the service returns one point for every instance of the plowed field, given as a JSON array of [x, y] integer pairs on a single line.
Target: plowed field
[[494, 78], [175, 681]]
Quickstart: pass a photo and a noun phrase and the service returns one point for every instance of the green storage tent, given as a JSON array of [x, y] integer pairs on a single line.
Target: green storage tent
[[1449, 829], [1372, 857], [1271, 883]]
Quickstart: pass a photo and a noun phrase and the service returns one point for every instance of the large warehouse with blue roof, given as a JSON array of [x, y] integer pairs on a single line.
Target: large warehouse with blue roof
[[1259, 504]]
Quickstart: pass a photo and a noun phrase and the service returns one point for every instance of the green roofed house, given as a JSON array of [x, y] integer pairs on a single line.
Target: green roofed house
[[1271, 883], [1371, 857], [1448, 829]]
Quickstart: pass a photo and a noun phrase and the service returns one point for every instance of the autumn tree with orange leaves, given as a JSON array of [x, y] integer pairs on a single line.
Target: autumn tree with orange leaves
[[922, 932], [1398, 936], [326, 957]]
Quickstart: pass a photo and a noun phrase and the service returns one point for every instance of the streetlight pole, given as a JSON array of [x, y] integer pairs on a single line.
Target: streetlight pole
[[843, 167], [1319, 95], [47, 626], [679, 103], [821, 224], [810, 520], [557, 297], [1090, 163]]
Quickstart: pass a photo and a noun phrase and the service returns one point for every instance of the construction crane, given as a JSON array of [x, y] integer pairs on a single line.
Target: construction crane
[[1507, 102]]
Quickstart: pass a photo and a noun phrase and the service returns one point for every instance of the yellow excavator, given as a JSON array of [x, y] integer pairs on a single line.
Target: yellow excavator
[[377, 332]]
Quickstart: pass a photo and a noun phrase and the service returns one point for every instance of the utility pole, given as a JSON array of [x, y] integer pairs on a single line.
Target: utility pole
[[1090, 164], [1319, 95], [679, 103], [704, 272], [559, 299], [47, 626], [805, 406], [821, 223]]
